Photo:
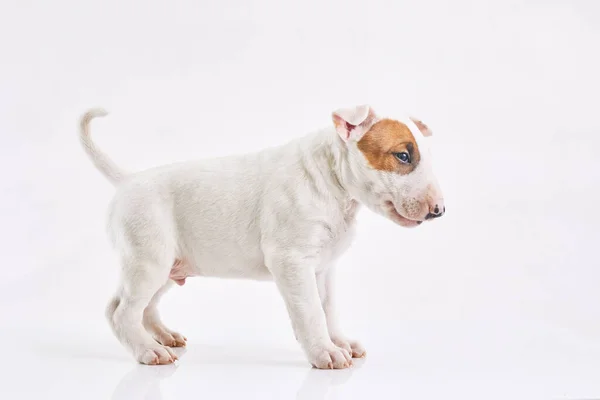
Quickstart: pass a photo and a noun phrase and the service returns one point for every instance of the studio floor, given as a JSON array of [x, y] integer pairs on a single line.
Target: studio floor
[[426, 361]]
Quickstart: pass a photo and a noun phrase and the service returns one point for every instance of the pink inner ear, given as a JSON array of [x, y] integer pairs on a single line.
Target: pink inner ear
[[422, 127], [343, 127]]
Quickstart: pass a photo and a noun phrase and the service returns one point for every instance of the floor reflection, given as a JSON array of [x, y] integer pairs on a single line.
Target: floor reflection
[[143, 382], [318, 383]]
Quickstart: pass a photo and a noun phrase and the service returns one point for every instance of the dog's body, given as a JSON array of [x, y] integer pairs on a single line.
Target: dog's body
[[284, 214]]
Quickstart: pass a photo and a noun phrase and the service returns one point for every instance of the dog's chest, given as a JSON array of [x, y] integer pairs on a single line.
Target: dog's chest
[[341, 237]]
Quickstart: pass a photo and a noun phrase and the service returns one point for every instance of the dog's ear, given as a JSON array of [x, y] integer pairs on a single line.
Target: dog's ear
[[422, 127], [353, 123]]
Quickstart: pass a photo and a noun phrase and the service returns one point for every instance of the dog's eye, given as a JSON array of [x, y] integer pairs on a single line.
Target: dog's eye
[[404, 157]]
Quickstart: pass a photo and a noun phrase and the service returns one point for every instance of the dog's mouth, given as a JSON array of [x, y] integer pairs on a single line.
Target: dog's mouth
[[399, 218]]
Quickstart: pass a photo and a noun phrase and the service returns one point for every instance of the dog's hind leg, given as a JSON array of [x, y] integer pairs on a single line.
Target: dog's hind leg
[[141, 281], [155, 326]]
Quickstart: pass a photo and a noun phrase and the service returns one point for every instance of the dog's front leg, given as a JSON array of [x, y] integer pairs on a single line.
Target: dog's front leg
[[298, 286], [325, 284]]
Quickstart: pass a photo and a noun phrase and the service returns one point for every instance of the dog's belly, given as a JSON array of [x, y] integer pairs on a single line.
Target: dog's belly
[[244, 262], [250, 269]]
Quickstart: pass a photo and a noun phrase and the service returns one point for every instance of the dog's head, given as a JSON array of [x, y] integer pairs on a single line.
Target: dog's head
[[388, 166]]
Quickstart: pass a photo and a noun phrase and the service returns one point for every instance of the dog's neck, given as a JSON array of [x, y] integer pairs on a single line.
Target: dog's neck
[[328, 152]]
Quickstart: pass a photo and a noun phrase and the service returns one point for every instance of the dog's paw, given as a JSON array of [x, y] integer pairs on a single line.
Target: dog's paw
[[351, 346], [169, 338], [156, 355], [178, 339], [329, 357]]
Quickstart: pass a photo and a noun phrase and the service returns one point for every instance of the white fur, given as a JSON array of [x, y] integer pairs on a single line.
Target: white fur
[[285, 214]]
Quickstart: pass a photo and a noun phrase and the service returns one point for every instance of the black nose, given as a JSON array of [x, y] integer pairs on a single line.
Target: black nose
[[436, 213]]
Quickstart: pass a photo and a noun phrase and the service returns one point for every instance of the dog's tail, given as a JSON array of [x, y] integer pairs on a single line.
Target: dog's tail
[[100, 160]]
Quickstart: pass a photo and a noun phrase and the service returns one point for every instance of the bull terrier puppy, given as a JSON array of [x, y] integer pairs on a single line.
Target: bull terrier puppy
[[282, 214]]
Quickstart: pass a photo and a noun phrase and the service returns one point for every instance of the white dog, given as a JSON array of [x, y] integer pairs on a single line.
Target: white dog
[[284, 214]]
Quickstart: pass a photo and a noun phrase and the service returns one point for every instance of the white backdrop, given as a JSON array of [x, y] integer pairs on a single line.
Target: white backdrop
[[497, 299]]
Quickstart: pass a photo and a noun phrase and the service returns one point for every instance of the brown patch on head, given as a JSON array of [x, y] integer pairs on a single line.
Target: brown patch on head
[[386, 138]]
